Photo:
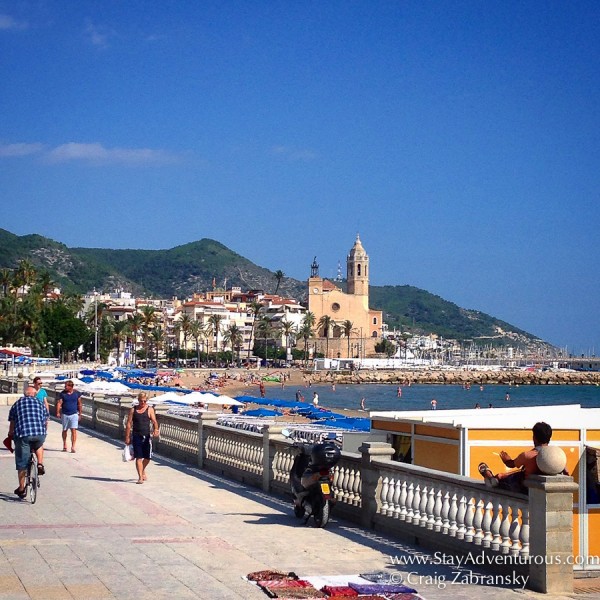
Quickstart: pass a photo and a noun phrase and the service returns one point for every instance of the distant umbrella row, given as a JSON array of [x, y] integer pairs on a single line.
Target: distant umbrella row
[[322, 417]]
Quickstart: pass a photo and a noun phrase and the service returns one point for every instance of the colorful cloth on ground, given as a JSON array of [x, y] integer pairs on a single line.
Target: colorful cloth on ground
[[339, 591], [382, 588], [29, 416]]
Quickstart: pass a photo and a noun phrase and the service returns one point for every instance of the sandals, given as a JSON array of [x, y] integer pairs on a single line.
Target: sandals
[[487, 475], [21, 493], [41, 469]]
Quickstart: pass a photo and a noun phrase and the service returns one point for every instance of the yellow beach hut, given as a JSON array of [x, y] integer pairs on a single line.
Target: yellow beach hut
[[456, 441]]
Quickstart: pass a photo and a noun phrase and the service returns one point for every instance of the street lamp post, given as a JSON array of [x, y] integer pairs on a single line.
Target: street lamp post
[[95, 326], [59, 354]]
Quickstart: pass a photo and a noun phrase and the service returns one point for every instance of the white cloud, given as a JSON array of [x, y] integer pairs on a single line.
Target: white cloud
[[7, 22], [294, 153], [97, 35], [97, 154], [10, 150]]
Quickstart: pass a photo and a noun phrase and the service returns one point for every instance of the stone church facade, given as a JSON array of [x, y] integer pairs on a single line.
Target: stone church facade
[[327, 299]]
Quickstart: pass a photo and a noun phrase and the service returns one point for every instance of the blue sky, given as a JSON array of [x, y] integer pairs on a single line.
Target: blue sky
[[460, 139]]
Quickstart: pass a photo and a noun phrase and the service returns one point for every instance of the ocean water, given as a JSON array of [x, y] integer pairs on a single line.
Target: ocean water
[[418, 397]]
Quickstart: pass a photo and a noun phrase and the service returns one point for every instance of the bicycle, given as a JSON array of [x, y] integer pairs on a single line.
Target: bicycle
[[32, 479]]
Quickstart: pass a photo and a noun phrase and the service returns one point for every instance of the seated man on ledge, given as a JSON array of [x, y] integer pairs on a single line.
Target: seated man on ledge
[[525, 464]]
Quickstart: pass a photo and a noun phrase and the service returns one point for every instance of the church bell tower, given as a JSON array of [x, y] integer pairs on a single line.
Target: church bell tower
[[358, 270]]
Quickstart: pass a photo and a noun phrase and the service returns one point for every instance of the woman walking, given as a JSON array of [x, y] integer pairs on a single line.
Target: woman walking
[[137, 433]]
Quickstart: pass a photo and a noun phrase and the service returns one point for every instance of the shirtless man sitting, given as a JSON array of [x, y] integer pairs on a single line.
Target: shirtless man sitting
[[525, 462]]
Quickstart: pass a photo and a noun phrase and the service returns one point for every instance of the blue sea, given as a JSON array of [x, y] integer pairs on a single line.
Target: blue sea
[[418, 397]]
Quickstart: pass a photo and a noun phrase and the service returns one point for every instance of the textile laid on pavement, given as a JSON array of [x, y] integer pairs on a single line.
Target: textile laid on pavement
[[288, 586]]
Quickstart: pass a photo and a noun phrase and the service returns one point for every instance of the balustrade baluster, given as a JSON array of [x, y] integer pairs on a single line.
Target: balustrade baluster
[[445, 513], [396, 498], [487, 525], [345, 485], [460, 518], [469, 516], [383, 496], [409, 502], [437, 512], [403, 500], [357, 488], [430, 507], [452, 515], [515, 533], [477, 521], [350, 485], [525, 532], [505, 529], [423, 506], [416, 503], [496, 523]]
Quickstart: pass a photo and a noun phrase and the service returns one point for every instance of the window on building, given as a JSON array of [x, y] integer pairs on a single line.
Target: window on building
[[374, 334], [358, 270], [374, 320], [365, 270]]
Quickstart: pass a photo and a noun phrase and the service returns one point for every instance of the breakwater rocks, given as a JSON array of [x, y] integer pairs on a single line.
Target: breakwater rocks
[[459, 377]]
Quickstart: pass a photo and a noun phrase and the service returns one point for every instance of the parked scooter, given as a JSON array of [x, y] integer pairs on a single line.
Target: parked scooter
[[311, 478]]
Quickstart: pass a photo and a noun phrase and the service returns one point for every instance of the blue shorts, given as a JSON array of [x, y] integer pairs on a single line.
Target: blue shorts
[[142, 446], [70, 421], [23, 448]]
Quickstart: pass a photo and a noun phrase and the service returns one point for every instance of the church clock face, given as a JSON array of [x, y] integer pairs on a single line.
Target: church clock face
[[315, 290], [335, 307]]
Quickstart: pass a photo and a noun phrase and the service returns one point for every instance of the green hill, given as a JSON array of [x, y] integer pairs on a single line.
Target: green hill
[[192, 267]]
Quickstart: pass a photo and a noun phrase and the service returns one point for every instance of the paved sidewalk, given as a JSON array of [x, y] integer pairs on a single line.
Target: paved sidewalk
[[183, 534]]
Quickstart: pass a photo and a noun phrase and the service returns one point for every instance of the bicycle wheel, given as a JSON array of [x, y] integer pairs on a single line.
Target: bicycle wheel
[[33, 478]]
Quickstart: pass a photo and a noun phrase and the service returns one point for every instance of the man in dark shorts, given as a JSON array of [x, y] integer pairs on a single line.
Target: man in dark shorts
[[68, 409], [137, 433], [27, 417]]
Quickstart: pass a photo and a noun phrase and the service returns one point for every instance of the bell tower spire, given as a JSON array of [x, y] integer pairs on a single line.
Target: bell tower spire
[[358, 269]]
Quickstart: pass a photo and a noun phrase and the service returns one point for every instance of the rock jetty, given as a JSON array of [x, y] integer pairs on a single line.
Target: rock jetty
[[459, 377]]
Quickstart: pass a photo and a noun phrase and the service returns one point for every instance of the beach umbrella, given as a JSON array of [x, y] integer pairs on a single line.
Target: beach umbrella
[[87, 372], [228, 401], [169, 397], [106, 387]]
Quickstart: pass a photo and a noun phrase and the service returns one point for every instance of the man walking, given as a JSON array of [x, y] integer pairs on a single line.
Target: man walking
[[41, 393], [28, 418], [69, 406]]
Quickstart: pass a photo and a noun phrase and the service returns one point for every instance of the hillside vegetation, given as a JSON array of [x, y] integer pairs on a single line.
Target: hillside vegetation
[[192, 267]]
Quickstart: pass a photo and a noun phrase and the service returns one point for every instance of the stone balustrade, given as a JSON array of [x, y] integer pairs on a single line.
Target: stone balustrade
[[432, 508]]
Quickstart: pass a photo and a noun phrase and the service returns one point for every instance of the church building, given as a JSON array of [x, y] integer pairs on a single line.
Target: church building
[[343, 340]]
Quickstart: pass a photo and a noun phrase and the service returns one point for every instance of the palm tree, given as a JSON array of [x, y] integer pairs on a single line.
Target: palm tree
[[120, 329], [197, 331], [158, 338], [287, 328], [279, 275], [255, 308], [347, 326], [149, 319], [136, 322], [215, 321], [265, 329], [185, 323], [177, 336], [325, 324], [234, 337], [306, 331], [5, 281]]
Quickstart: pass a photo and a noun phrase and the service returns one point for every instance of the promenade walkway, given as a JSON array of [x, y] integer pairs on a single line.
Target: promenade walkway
[[183, 534]]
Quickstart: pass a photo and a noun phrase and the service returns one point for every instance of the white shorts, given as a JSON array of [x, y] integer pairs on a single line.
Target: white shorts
[[70, 422]]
